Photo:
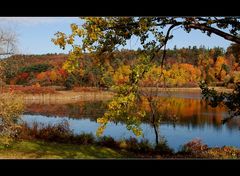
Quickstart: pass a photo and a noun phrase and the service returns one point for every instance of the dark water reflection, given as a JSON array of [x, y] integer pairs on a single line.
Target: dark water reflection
[[185, 117]]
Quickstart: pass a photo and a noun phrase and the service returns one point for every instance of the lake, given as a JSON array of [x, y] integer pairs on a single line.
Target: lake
[[186, 117]]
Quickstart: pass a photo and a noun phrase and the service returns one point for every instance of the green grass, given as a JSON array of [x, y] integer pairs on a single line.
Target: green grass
[[50, 150]]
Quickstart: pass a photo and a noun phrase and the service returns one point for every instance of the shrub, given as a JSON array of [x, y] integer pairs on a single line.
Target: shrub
[[194, 147], [11, 109], [84, 139], [69, 83], [28, 133], [144, 146], [135, 146], [5, 141], [108, 141], [163, 148], [59, 132], [132, 144], [36, 68], [123, 144], [223, 153]]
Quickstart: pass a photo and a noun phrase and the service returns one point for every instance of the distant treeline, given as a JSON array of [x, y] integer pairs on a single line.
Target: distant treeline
[[182, 67]]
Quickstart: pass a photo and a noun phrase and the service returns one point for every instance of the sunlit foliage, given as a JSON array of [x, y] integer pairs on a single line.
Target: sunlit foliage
[[11, 109], [101, 35]]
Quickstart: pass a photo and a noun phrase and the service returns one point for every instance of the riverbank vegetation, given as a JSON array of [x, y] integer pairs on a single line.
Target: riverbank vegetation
[[59, 142]]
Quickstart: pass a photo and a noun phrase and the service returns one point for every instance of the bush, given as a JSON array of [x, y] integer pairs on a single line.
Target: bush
[[163, 148], [107, 141], [5, 141], [223, 153], [11, 109], [133, 145], [69, 83], [59, 132], [38, 68], [144, 146], [194, 147], [84, 139]]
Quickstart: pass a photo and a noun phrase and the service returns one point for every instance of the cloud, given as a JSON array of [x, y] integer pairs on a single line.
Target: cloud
[[32, 20]]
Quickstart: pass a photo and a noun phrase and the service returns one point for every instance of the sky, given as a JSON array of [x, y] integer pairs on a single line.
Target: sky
[[35, 34]]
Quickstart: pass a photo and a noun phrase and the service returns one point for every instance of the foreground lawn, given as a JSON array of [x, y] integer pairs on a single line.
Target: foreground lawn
[[46, 150], [50, 150]]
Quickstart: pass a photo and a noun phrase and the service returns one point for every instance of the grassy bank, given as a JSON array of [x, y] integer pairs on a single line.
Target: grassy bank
[[50, 150], [37, 149], [57, 142]]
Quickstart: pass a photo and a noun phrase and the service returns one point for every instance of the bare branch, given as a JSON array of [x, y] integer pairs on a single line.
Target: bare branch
[[8, 40]]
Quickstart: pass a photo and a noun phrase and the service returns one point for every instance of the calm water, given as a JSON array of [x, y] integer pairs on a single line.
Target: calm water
[[187, 118]]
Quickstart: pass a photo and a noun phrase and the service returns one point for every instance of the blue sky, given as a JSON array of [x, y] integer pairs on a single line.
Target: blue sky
[[35, 33]]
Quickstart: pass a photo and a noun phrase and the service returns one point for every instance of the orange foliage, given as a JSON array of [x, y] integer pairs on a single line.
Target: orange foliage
[[122, 74]]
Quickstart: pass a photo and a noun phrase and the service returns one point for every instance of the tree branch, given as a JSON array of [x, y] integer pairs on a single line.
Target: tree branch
[[215, 31], [1, 54]]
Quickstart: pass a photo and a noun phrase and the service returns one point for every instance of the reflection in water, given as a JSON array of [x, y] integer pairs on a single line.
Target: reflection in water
[[91, 110], [182, 117]]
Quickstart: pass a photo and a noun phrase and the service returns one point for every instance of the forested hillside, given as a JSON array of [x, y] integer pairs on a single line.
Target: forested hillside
[[183, 67]]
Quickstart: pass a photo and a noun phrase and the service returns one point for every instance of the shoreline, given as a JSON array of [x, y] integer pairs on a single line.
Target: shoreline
[[185, 89], [70, 96], [64, 97]]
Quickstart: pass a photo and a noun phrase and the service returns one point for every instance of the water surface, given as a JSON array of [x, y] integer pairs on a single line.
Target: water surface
[[187, 117]]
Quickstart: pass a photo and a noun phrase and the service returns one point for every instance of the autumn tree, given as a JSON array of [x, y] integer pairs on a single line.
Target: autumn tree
[[221, 68], [103, 34], [234, 49]]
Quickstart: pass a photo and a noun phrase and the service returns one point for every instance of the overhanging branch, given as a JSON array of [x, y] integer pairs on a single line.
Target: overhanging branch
[[215, 31]]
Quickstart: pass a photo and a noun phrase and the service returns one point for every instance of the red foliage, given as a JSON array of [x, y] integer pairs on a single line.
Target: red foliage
[[30, 89], [195, 146], [62, 72], [24, 75]]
